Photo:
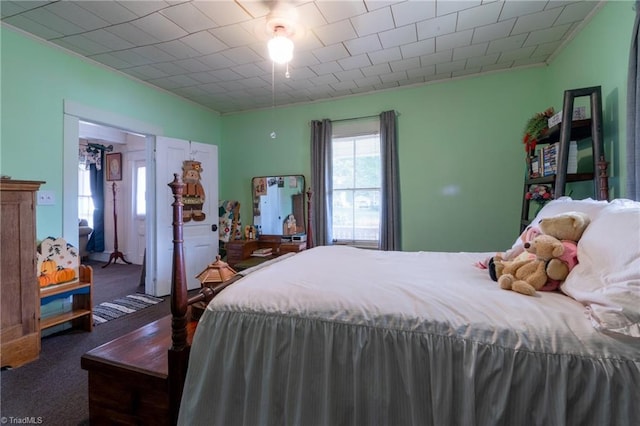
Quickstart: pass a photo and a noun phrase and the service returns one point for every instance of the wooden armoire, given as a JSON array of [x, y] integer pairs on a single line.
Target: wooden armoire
[[19, 291]]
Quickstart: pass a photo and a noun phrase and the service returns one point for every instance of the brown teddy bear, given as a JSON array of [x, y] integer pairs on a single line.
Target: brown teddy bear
[[530, 275]]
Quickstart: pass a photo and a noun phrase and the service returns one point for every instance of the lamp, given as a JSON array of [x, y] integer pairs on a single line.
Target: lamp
[[216, 272], [280, 46]]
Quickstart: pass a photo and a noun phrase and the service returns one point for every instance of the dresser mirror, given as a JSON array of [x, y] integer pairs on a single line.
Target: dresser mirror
[[278, 204]]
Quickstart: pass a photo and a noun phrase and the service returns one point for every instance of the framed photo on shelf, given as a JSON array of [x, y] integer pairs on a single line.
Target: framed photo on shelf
[[114, 166]]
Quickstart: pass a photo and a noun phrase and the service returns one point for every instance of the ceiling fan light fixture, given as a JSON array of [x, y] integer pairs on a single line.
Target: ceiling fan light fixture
[[280, 46]]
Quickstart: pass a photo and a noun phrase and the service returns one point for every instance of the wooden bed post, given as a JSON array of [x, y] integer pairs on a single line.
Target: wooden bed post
[[179, 351]]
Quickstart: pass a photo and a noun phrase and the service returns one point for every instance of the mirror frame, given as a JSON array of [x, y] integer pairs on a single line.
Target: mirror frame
[[255, 201]]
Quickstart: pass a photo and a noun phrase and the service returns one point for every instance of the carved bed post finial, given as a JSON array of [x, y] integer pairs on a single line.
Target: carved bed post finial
[[603, 179], [178, 275]]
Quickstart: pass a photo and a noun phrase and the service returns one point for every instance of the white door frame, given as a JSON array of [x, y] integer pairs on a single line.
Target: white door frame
[[73, 113]]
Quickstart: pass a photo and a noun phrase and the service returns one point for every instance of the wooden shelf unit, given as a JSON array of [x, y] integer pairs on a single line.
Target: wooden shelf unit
[[81, 292], [579, 130]]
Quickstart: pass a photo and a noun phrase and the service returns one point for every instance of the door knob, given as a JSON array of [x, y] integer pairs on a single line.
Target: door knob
[[214, 227]]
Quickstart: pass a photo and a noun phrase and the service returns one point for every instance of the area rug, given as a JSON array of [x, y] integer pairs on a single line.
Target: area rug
[[108, 311]]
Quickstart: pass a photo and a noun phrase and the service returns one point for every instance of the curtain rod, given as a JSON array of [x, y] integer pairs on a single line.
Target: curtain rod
[[360, 118]]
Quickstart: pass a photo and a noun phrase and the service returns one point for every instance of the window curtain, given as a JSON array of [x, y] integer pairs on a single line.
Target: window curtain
[[633, 113], [390, 208], [321, 185], [96, 240]]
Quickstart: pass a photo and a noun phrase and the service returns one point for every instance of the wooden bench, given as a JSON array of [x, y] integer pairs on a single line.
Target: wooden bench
[[128, 376]]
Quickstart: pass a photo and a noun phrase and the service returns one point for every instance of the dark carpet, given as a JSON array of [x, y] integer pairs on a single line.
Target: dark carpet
[[53, 389]]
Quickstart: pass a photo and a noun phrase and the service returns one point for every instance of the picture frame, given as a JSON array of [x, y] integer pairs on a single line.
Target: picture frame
[[114, 166]]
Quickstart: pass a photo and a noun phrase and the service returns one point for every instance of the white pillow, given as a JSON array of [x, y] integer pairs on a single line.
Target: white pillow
[[607, 277], [562, 205]]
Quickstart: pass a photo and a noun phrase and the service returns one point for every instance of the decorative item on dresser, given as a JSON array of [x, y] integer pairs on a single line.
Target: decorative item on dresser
[[20, 294]]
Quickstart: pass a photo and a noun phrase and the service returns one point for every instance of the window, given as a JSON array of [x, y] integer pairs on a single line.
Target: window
[[141, 186], [85, 202], [356, 190]]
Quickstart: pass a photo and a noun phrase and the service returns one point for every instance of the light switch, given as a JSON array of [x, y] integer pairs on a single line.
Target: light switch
[[46, 198]]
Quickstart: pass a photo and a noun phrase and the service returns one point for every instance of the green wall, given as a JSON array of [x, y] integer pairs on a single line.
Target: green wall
[[460, 150], [599, 56], [36, 80], [461, 157]]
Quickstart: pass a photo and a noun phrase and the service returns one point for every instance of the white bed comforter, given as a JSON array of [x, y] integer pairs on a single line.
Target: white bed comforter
[[343, 336]]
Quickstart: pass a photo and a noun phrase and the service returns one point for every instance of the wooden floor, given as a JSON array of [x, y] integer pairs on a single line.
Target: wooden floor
[[128, 376]]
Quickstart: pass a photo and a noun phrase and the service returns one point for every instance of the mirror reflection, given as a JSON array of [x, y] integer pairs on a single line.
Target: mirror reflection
[[278, 204]]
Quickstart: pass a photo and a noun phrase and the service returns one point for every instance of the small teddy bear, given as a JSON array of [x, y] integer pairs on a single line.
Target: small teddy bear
[[530, 275]]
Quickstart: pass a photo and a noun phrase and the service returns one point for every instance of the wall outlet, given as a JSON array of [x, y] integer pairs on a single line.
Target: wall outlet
[[46, 198]]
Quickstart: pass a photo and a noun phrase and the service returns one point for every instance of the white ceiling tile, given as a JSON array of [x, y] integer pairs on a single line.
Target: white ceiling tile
[[86, 45], [52, 21], [478, 16], [216, 61], [466, 71], [324, 79], [143, 8], [132, 34], [110, 11], [248, 70], [514, 55], [170, 68], [204, 77], [71, 12], [436, 26], [376, 70], [253, 82], [147, 72], [130, 57], [241, 55], [72, 47], [204, 42], [393, 76], [354, 62], [419, 48], [480, 61], [301, 73], [178, 49], [10, 8], [254, 8], [508, 43], [471, 51], [378, 4], [387, 85], [309, 16], [326, 68], [336, 11], [449, 41], [192, 65], [530, 61], [398, 36], [547, 36], [410, 12], [335, 32], [164, 83], [367, 81], [225, 74], [405, 64], [303, 59], [423, 71], [385, 55], [331, 53], [512, 9], [188, 17], [576, 12], [233, 36], [497, 67], [446, 67], [107, 39], [547, 48], [444, 7], [536, 21], [363, 45], [349, 75], [373, 22], [307, 43], [153, 53], [159, 27], [183, 80], [436, 58], [344, 85], [111, 61], [494, 31]]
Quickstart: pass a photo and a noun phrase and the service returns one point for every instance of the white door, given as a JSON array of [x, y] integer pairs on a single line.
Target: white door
[[200, 237]]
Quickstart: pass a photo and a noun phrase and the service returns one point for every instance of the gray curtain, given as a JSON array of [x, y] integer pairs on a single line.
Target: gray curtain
[[96, 183], [633, 113], [321, 186], [390, 209]]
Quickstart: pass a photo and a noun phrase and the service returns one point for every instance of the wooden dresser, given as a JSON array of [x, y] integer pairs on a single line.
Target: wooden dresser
[[240, 250], [20, 294]]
